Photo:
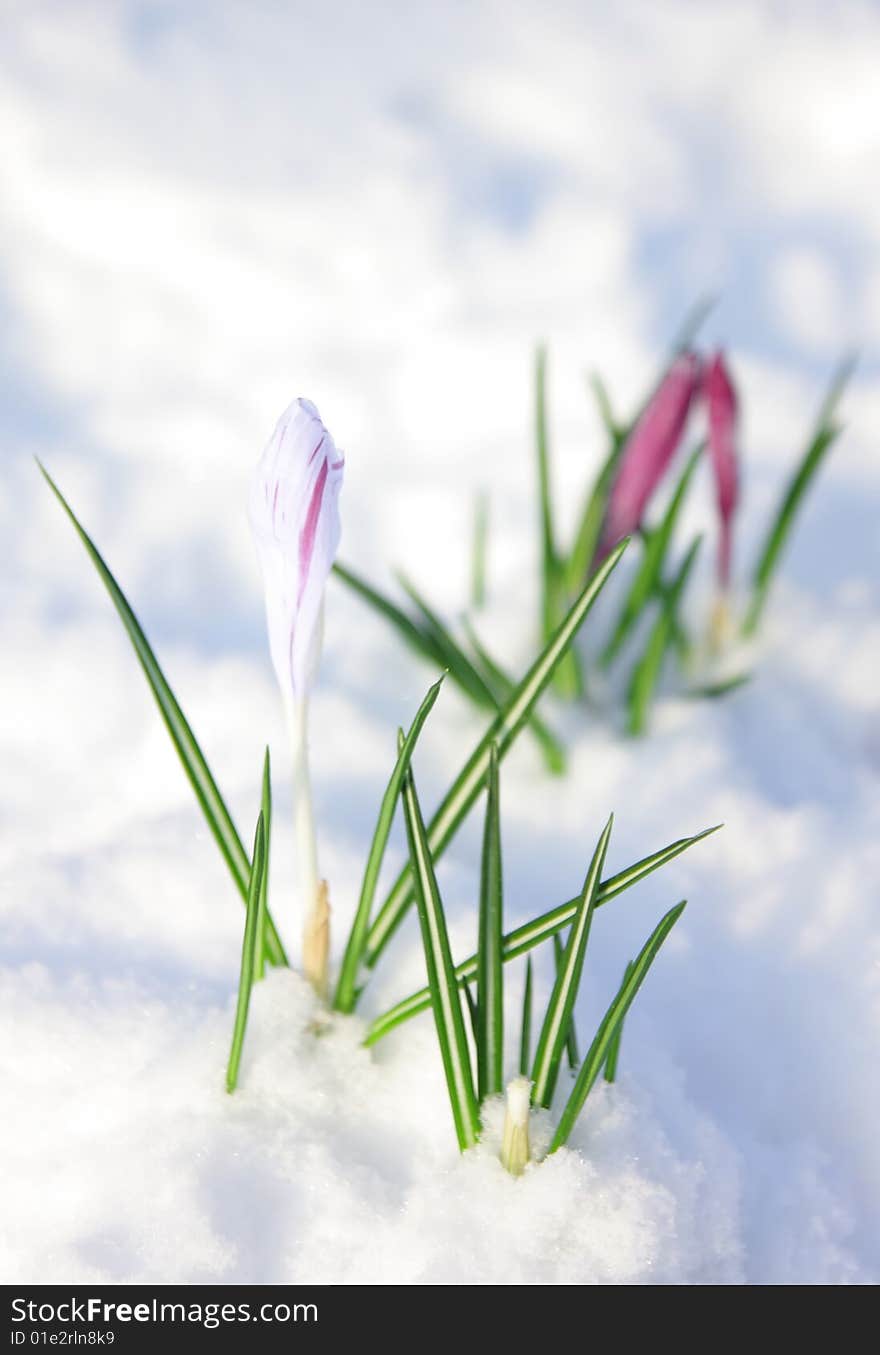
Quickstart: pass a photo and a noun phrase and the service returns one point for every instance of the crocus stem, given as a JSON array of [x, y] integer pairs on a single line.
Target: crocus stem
[[313, 891]]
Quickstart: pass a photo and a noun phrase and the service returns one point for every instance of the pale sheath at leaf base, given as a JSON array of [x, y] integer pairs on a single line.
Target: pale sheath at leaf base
[[648, 451], [515, 1149], [294, 516], [722, 406]]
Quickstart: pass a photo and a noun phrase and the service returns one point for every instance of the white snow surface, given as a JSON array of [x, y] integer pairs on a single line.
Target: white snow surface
[[178, 261], [739, 1144]]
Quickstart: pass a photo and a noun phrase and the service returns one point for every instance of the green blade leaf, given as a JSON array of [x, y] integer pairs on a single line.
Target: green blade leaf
[[613, 427], [568, 676], [346, 989], [479, 551], [825, 434], [650, 569], [412, 634], [646, 673], [248, 952], [503, 730], [525, 1028], [586, 540], [713, 690], [530, 934], [503, 685], [263, 907], [461, 670], [611, 1021], [211, 801], [490, 974], [590, 526], [692, 323], [430, 639], [554, 1031], [445, 998], [571, 1040], [470, 1003], [680, 642], [542, 454], [613, 1054]]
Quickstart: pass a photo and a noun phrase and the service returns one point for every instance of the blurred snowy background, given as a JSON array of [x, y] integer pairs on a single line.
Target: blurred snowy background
[[208, 208]]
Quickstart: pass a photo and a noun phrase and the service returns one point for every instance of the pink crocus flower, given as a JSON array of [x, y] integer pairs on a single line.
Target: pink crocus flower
[[722, 407], [294, 514], [649, 449]]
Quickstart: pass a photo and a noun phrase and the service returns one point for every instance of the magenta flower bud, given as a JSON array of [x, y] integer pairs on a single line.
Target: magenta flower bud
[[294, 514], [722, 405], [649, 449]]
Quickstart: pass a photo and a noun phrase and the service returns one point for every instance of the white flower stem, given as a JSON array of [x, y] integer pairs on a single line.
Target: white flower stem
[[313, 892]]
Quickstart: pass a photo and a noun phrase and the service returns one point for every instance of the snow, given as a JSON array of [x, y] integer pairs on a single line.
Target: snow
[[166, 291], [330, 1167], [738, 1144]]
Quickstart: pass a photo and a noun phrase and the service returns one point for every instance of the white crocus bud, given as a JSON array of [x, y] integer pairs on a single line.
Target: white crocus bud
[[294, 515], [515, 1151]]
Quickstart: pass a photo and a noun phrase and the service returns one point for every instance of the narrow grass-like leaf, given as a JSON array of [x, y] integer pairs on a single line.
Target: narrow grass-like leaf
[[577, 567], [427, 637], [479, 551], [650, 568], [646, 672], [531, 934], [613, 427], [681, 643], [692, 323], [460, 667], [248, 950], [663, 534], [471, 1003], [503, 685], [554, 1030], [445, 998], [679, 635], [568, 677], [262, 911], [346, 989], [714, 690], [545, 503], [611, 1021], [571, 1040], [525, 1025], [824, 435], [503, 730], [586, 539], [207, 793], [613, 1056], [490, 973], [411, 633]]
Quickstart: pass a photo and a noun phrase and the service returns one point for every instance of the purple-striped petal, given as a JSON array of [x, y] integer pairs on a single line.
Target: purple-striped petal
[[294, 514], [649, 449], [722, 406]]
